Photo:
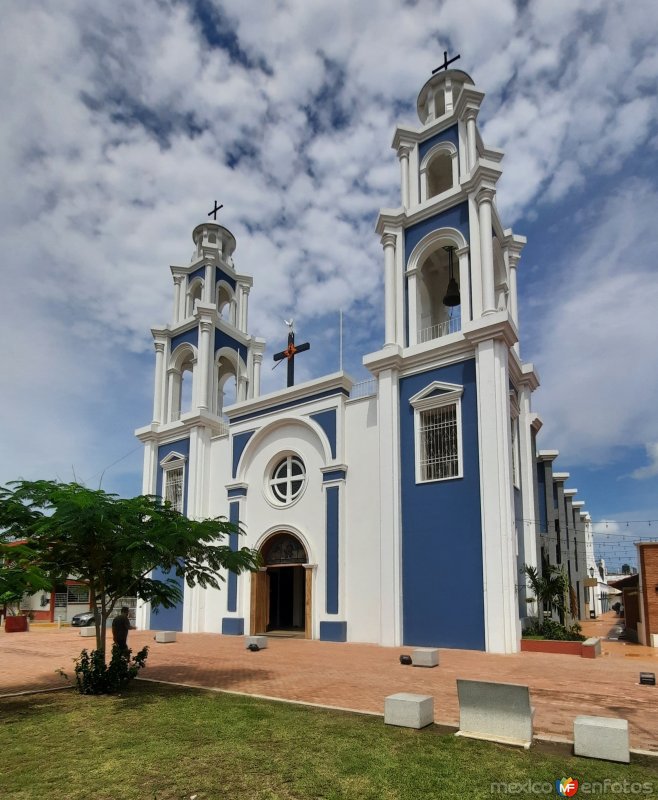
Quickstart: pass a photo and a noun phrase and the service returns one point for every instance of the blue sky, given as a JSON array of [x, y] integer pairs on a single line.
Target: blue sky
[[125, 120]]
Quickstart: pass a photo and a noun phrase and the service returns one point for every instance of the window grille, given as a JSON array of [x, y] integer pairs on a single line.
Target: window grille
[[439, 443], [174, 488], [287, 479], [78, 594]]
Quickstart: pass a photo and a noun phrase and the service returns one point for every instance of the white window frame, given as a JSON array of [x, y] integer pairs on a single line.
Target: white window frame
[[270, 481], [426, 400], [171, 462]]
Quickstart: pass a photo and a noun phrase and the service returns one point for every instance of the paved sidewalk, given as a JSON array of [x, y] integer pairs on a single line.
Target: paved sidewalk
[[359, 677]]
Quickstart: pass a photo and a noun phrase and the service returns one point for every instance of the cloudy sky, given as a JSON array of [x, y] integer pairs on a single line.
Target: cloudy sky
[[123, 121]]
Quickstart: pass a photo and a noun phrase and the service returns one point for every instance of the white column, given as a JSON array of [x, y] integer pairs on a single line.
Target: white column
[[245, 313], [178, 281], [388, 241], [464, 285], [527, 475], [258, 360], [204, 351], [239, 316], [209, 285], [412, 286], [403, 155], [158, 389], [173, 401], [502, 628], [513, 261], [390, 603], [485, 198], [471, 138]]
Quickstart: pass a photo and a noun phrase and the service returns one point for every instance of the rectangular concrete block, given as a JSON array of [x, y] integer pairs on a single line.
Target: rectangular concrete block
[[261, 641], [653, 637], [165, 636], [591, 647], [88, 631], [497, 712], [601, 737], [409, 710], [425, 657]]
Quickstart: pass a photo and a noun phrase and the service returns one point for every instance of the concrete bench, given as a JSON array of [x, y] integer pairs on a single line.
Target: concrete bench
[[425, 657], [591, 648], [497, 712], [260, 641], [163, 637], [409, 710], [601, 737], [90, 630]]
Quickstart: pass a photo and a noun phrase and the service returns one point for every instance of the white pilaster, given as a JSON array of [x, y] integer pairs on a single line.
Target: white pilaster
[[389, 496], [203, 371], [471, 137], [245, 313], [512, 261], [412, 299], [258, 360], [178, 282], [388, 242], [209, 284], [527, 469], [159, 382], [403, 155], [502, 628], [485, 198], [465, 284], [150, 474]]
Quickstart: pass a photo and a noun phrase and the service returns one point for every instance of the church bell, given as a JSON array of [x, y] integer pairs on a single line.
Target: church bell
[[452, 297]]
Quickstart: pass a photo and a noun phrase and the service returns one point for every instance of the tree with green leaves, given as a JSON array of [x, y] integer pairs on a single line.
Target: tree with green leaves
[[550, 588], [18, 574], [114, 544]]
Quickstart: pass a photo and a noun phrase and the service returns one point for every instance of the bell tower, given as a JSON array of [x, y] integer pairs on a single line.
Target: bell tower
[[206, 358], [453, 394]]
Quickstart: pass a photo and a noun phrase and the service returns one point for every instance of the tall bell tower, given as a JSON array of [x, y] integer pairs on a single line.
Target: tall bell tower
[[456, 478]]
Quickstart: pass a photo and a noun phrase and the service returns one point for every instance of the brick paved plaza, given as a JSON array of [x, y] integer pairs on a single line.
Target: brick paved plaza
[[360, 676]]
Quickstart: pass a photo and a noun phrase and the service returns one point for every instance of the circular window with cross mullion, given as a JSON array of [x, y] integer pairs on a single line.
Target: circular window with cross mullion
[[287, 479]]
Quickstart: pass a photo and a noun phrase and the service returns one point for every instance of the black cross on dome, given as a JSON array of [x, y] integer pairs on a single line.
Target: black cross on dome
[[215, 210], [446, 62]]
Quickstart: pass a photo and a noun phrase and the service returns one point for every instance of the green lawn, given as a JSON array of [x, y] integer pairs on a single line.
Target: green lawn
[[162, 742]]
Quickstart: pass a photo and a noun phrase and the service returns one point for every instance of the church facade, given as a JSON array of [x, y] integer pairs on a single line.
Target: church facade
[[389, 511]]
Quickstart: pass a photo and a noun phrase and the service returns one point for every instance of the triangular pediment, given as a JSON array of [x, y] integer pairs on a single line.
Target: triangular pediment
[[435, 390], [173, 458]]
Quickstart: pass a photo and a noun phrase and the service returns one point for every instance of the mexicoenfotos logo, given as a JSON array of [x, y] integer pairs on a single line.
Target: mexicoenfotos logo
[[566, 787]]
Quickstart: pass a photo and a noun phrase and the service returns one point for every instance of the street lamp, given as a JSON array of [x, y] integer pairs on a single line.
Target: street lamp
[[592, 607]]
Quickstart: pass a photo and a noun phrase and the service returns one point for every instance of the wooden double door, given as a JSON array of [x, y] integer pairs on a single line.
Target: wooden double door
[[281, 600]]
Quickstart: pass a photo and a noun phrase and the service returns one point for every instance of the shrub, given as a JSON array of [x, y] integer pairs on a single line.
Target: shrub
[[93, 676], [550, 629]]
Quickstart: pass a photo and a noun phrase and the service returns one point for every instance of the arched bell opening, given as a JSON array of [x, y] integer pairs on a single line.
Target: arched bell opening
[[281, 589], [439, 294], [180, 391], [226, 382], [226, 303], [195, 292], [439, 170], [501, 279]]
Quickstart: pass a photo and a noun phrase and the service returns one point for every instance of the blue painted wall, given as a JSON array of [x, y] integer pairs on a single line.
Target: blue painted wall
[[327, 421], [333, 631], [221, 275], [222, 339], [198, 273], [332, 500], [541, 497], [239, 443], [191, 337], [443, 604], [450, 134], [455, 217], [170, 619], [232, 580]]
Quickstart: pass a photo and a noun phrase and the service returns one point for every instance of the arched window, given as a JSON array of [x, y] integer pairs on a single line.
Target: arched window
[[226, 304], [226, 392], [435, 319], [194, 293], [287, 479], [180, 392], [439, 170]]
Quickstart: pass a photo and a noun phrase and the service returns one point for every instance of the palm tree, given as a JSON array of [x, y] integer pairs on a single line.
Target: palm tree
[[550, 588]]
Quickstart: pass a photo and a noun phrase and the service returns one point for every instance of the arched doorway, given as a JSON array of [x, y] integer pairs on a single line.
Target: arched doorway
[[281, 590]]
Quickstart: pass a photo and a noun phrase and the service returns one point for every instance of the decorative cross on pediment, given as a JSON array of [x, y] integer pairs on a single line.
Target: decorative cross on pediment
[[290, 353]]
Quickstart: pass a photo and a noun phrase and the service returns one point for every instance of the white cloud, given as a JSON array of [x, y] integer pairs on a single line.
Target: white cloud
[[651, 469]]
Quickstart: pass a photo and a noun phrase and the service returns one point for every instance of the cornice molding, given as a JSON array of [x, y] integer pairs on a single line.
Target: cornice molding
[[497, 325]]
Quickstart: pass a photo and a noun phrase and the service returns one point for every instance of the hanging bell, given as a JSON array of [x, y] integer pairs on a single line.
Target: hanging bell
[[452, 297]]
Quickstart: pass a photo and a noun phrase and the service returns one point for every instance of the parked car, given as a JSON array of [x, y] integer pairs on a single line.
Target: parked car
[[83, 619]]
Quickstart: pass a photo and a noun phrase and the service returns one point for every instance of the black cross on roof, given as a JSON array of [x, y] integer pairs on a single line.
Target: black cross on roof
[[213, 213], [446, 62]]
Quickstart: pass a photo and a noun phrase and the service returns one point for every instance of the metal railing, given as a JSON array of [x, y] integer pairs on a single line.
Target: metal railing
[[440, 329], [367, 388]]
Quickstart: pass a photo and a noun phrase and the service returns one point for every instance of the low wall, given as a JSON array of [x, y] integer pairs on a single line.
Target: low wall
[[588, 649]]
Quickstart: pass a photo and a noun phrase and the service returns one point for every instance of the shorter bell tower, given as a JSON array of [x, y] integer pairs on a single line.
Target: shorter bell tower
[[205, 358]]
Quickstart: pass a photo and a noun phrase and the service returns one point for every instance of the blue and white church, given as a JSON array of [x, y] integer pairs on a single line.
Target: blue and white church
[[388, 511]]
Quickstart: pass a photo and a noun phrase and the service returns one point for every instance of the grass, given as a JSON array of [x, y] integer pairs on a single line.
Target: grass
[[159, 742]]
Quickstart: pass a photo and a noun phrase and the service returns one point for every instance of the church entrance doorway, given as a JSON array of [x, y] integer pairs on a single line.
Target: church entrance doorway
[[281, 590]]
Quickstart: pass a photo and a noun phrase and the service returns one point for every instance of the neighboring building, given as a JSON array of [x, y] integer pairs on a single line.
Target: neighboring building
[[647, 559], [359, 496]]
